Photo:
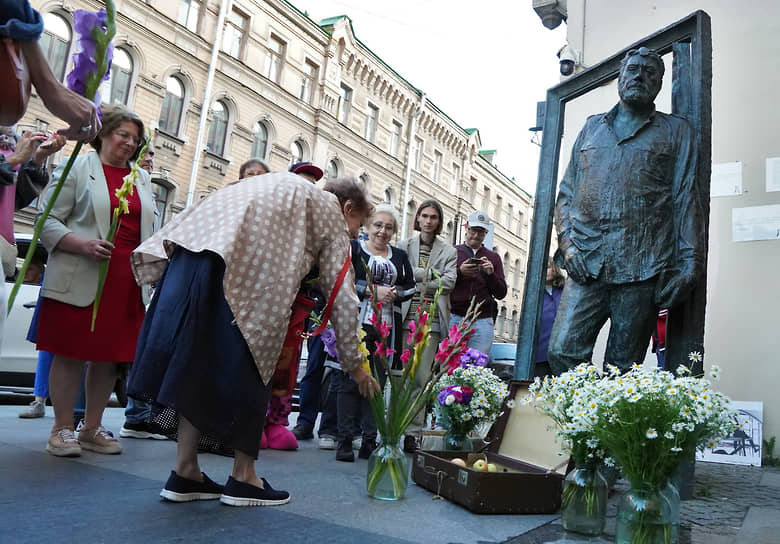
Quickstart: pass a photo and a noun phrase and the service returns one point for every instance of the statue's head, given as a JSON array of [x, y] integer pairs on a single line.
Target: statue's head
[[641, 75]]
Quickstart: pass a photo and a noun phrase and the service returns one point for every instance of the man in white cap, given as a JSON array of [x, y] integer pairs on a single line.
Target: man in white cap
[[480, 276]]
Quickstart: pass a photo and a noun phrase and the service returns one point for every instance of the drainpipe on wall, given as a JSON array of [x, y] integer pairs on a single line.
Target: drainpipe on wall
[[204, 108], [408, 171]]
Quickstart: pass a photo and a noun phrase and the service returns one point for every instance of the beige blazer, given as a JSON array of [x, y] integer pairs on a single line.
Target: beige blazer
[[443, 260], [83, 207]]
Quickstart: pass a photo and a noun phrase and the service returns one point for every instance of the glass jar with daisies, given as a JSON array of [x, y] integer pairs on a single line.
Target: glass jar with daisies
[[585, 489], [649, 421]]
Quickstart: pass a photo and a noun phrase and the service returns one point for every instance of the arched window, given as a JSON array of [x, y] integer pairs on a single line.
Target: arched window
[[364, 180], [501, 322], [55, 43], [218, 128], [389, 197], [513, 328], [333, 169], [260, 142], [296, 152], [518, 273], [117, 88], [172, 106]]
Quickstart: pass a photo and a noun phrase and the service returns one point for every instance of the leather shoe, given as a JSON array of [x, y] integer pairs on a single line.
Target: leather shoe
[[366, 448], [410, 444], [303, 432], [345, 453]]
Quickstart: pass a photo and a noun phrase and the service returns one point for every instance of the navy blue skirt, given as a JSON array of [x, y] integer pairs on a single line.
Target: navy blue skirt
[[193, 361]]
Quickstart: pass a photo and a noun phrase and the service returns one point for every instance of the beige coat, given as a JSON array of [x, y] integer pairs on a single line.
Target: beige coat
[[269, 230], [83, 207], [443, 260]]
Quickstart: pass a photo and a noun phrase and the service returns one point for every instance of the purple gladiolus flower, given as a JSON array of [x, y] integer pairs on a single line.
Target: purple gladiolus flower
[[329, 341], [85, 61]]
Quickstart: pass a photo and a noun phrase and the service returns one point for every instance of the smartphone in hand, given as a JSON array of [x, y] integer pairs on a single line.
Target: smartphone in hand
[[474, 260]]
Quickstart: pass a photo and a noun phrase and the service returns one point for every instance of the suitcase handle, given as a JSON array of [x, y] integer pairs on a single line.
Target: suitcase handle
[[440, 477]]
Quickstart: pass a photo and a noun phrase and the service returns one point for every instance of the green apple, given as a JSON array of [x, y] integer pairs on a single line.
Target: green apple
[[492, 468], [480, 465]]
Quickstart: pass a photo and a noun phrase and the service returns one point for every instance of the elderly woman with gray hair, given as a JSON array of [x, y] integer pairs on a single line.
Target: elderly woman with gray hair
[[74, 235], [392, 273]]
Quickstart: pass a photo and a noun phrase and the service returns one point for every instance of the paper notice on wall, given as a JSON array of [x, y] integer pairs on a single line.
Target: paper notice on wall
[[772, 174], [726, 179], [756, 223]]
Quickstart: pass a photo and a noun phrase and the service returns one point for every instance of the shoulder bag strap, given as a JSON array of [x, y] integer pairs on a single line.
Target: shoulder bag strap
[[333, 293]]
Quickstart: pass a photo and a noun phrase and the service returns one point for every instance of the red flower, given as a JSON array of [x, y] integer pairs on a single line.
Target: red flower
[[443, 350], [405, 356], [382, 351]]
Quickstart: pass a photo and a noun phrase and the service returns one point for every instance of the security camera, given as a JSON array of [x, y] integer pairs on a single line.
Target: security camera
[[568, 59]]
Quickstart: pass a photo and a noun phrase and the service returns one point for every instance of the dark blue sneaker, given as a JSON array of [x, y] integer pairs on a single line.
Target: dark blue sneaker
[[178, 489], [242, 494]]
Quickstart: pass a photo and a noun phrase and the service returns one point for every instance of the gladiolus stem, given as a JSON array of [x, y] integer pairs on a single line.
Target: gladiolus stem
[[39, 226]]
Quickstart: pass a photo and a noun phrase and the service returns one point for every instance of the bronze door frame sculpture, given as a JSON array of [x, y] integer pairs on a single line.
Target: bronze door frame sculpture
[[690, 41]]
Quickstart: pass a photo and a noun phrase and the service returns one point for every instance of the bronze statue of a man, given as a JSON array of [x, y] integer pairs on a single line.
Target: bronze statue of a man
[[629, 222]]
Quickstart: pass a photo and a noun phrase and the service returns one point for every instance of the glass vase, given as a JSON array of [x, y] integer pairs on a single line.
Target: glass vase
[[648, 514], [457, 440], [388, 471], [584, 501]]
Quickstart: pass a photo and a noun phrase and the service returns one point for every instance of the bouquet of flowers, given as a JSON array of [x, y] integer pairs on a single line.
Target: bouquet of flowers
[[393, 413], [649, 421], [469, 395], [556, 396]]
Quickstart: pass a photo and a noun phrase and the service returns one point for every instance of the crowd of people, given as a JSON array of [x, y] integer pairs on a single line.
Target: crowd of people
[[204, 349]]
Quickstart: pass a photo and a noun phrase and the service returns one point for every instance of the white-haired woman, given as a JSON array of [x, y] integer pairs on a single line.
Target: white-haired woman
[[392, 273]]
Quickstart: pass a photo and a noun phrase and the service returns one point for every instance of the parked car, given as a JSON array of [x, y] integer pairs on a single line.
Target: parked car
[[502, 360], [18, 357]]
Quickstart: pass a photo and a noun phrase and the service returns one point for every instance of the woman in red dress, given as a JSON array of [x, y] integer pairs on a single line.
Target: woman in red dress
[[74, 234]]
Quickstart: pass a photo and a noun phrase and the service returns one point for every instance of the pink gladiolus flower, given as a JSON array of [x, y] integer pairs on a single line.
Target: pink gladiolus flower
[[382, 351], [443, 350], [384, 329], [405, 356]]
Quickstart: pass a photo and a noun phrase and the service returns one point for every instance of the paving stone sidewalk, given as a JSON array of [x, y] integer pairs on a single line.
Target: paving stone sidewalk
[[731, 503]]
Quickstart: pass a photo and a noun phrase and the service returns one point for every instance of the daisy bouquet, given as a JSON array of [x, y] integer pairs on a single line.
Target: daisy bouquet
[[651, 420], [559, 398]]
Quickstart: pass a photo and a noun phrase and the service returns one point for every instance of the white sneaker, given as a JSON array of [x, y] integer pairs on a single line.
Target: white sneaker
[[327, 443], [34, 410], [357, 442]]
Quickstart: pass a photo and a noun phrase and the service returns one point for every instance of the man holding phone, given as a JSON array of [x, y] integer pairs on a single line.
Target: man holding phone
[[481, 277]]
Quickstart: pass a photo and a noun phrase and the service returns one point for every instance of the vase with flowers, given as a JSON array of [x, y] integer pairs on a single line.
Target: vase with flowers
[[650, 421], [394, 409], [469, 395], [585, 489]]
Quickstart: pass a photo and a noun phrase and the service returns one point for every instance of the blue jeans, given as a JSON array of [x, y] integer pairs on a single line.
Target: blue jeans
[[42, 374], [311, 384], [137, 411], [482, 337]]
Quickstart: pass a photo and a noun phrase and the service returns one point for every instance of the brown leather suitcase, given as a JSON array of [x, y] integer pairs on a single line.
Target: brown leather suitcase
[[522, 444]]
